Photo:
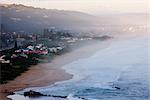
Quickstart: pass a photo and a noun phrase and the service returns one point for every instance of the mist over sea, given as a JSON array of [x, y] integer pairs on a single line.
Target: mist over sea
[[117, 72]]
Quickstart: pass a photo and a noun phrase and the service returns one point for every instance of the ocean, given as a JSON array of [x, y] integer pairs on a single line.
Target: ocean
[[117, 72]]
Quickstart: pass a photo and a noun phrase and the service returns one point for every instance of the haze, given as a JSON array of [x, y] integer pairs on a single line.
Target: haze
[[89, 6]]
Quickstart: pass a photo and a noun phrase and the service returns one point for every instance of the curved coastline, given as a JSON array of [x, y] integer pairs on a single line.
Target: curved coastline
[[49, 73]]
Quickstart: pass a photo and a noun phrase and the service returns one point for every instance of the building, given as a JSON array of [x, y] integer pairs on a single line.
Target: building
[[46, 33]]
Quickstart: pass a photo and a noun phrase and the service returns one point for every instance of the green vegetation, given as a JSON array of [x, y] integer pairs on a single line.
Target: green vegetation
[[14, 64], [18, 63]]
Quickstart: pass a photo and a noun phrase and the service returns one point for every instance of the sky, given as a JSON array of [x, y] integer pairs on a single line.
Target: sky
[[89, 6]]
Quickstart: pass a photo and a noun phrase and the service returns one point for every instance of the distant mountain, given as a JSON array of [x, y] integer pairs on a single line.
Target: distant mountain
[[29, 19]]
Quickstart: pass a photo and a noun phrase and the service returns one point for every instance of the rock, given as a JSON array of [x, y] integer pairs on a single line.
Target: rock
[[38, 94], [118, 88], [33, 94], [59, 96], [11, 93]]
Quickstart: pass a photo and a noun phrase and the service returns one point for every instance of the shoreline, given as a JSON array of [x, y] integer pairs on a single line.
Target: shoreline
[[49, 73]]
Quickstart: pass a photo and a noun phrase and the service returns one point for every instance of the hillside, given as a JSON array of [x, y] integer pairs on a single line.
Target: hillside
[[34, 20], [29, 19]]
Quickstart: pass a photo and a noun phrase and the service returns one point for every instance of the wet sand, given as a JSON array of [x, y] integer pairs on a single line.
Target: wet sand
[[49, 73]]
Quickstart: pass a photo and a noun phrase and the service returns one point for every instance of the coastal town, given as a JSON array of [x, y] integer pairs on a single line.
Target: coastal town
[[74, 50], [21, 50]]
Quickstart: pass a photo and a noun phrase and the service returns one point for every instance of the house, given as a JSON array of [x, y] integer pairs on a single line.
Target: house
[[30, 47], [44, 52], [2, 60], [39, 46], [55, 49]]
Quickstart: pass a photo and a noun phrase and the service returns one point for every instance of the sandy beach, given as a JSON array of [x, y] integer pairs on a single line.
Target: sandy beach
[[49, 73]]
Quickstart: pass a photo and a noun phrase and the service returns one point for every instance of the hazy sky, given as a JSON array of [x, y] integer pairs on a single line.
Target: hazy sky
[[89, 6]]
